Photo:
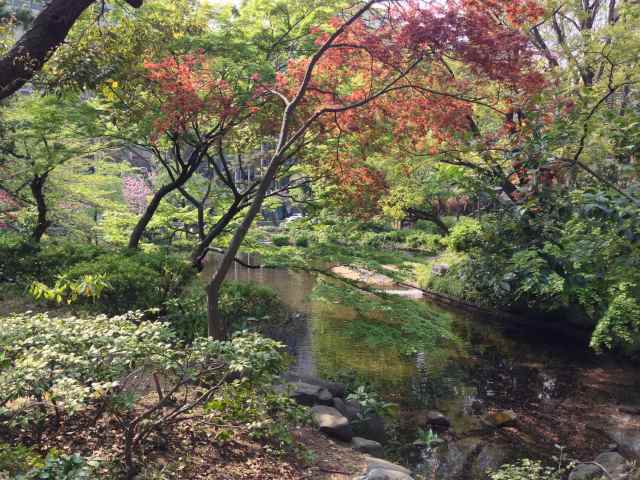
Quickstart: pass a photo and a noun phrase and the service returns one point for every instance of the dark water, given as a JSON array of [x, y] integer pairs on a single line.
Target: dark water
[[493, 367]]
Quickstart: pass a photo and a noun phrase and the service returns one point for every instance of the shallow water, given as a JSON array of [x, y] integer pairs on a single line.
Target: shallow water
[[496, 366]]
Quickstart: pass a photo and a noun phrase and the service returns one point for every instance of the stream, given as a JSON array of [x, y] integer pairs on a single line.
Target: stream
[[562, 394]]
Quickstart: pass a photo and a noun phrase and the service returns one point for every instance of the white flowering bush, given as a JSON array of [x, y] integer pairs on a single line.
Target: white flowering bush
[[70, 361], [66, 366]]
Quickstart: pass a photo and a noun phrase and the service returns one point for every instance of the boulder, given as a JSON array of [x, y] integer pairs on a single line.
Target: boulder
[[325, 397], [381, 474], [439, 269], [627, 438], [630, 409], [332, 422], [336, 389], [371, 427], [502, 418], [491, 457], [374, 463], [454, 456], [367, 446], [349, 408], [586, 472], [615, 464], [305, 393], [437, 420]]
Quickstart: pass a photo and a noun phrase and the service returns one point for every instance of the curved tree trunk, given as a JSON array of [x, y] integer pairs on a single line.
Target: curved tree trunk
[[419, 214], [42, 223], [198, 254], [48, 31], [217, 327]]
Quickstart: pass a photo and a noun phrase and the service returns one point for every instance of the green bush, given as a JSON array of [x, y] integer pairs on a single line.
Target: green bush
[[136, 280], [302, 242], [280, 240], [465, 234], [242, 305], [527, 470], [18, 460], [22, 262]]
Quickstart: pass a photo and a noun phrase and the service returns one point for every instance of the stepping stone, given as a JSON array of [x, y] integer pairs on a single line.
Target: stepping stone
[[365, 445], [332, 422]]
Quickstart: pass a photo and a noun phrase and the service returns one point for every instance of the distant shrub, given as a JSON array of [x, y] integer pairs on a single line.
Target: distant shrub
[[242, 305], [466, 233], [280, 240], [136, 280], [22, 262], [302, 242]]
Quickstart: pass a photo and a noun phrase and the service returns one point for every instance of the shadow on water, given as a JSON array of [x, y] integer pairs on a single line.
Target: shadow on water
[[495, 366]]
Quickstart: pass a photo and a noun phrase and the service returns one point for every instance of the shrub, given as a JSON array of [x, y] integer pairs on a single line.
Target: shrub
[[302, 242], [465, 234], [280, 240], [242, 305], [17, 460], [22, 262], [75, 364], [136, 280], [527, 470]]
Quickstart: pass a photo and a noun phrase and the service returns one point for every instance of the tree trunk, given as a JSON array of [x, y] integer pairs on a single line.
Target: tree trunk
[[42, 223], [185, 175], [34, 48], [418, 214], [216, 324], [138, 231], [198, 254]]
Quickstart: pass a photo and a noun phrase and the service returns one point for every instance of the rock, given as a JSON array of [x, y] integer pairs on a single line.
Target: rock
[[615, 464], [336, 389], [348, 408], [374, 463], [371, 427], [632, 410], [586, 472], [325, 397], [305, 393], [439, 269], [453, 457], [332, 422], [367, 446], [437, 420], [503, 418], [627, 438], [380, 474], [491, 457]]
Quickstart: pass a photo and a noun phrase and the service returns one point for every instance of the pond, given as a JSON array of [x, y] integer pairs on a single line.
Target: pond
[[561, 392]]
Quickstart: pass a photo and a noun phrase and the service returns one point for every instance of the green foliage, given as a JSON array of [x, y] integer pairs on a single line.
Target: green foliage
[[266, 415], [388, 320], [427, 437], [73, 361], [24, 263], [62, 467], [302, 242], [136, 280], [280, 240], [620, 324], [465, 234], [371, 403], [527, 469], [242, 305], [18, 460], [67, 291]]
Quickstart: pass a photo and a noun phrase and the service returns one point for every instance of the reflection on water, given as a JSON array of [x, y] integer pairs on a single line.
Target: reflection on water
[[496, 367]]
